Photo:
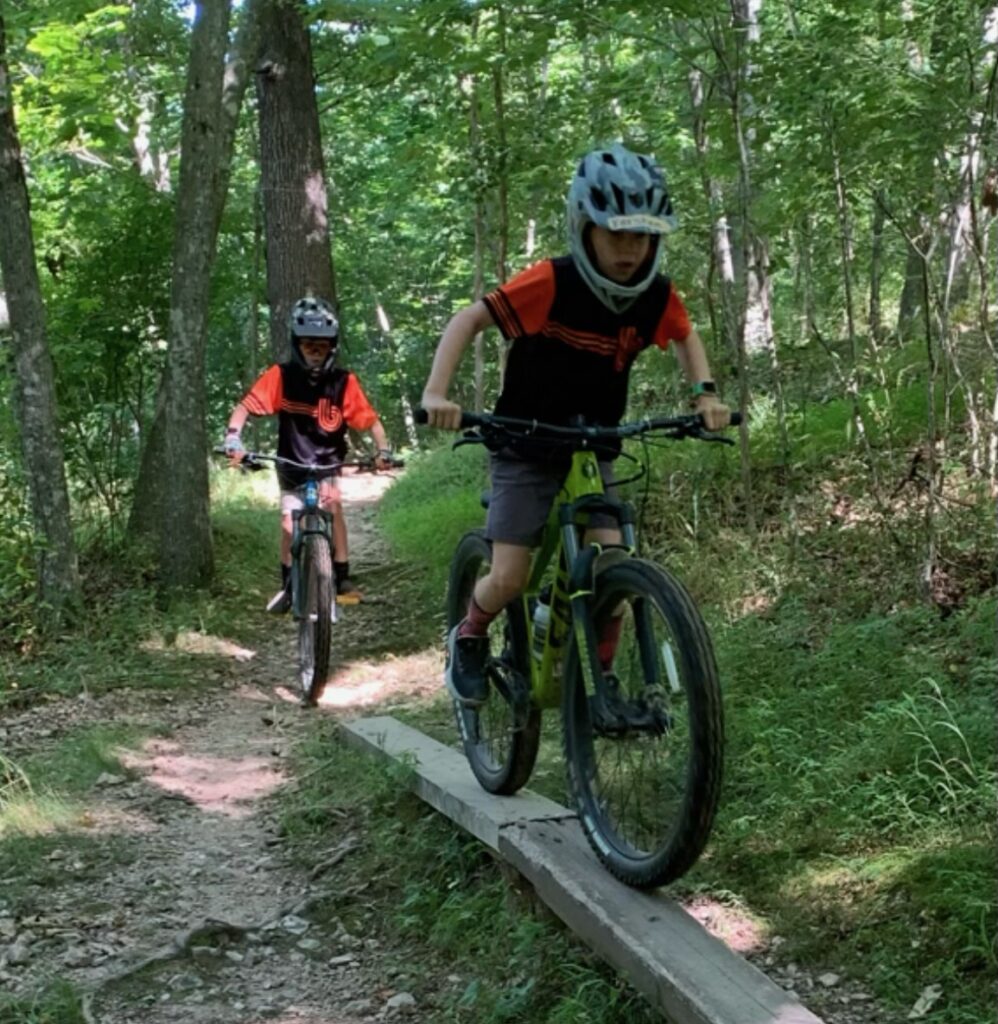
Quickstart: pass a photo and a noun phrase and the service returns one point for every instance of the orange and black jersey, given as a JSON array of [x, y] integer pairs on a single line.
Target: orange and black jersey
[[313, 416], [571, 355]]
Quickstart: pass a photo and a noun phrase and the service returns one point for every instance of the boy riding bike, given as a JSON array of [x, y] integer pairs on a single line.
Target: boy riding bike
[[315, 402], [577, 323]]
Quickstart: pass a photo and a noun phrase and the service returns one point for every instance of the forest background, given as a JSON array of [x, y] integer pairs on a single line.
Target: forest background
[[173, 176]]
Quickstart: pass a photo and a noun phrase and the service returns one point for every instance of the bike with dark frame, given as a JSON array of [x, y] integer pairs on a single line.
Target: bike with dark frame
[[313, 584]]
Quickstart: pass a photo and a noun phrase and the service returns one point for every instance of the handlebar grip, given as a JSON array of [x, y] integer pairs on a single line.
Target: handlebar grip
[[468, 419], [736, 418]]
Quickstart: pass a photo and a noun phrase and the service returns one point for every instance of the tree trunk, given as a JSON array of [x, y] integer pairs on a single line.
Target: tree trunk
[[185, 535], [721, 244], [876, 271], [479, 177], [34, 378], [292, 170], [911, 315], [756, 325]]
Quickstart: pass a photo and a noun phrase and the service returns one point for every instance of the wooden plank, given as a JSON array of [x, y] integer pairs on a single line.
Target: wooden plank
[[686, 973], [443, 779], [683, 970]]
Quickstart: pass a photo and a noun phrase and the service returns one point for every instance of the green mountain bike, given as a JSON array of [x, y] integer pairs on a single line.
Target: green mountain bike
[[643, 734]]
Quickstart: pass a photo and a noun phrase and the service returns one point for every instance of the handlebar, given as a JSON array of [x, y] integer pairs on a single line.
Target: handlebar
[[677, 427], [253, 461]]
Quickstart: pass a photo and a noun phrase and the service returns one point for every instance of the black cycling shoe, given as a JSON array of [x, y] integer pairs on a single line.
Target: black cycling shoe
[[465, 670], [280, 603]]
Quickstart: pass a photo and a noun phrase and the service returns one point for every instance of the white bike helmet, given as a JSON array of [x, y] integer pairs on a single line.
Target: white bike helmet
[[621, 191], [314, 318]]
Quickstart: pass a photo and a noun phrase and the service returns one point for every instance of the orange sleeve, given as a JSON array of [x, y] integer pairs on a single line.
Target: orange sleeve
[[357, 409], [264, 398], [675, 323], [521, 305]]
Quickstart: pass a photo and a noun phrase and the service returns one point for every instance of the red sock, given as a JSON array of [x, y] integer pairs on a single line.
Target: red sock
[[608, 641], [477, 621]]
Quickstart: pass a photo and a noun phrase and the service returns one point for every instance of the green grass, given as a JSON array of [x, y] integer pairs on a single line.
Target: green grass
[[44, 808], [57, 1004], [127, 637], [426, 511], [439, 891]]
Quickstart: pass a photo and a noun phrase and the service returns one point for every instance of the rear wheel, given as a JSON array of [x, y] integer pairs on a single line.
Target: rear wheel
[[502, 736], [315, 621], [645, 754]]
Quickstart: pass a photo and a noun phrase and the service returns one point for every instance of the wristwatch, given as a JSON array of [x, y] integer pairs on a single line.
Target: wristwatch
[[704, 387]]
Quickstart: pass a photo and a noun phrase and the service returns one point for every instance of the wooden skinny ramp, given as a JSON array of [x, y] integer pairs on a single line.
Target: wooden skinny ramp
[[686, 973]]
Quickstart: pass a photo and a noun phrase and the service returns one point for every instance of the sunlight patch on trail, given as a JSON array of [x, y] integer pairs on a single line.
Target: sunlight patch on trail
[[188, 642], [737, 929], [221, 785], [359, 683]]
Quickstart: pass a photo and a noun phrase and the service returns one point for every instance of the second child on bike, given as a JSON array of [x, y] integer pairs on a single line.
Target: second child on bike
[[315, 401], [577, 323]]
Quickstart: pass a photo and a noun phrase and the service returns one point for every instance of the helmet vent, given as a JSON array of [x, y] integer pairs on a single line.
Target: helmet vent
[[618, 196], [597, 198]]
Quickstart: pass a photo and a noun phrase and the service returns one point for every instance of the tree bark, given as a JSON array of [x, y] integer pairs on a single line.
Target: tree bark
[[721, 244], [185, 547], [292, 170], [34, 377], [479, 177], [876, 326], [147, 519]]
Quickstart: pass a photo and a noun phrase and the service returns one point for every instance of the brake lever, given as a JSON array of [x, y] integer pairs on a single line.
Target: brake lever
[[702, 434], [468, 437]]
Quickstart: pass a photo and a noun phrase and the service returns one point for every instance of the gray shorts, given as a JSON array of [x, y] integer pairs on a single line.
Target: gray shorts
[[522, 495]]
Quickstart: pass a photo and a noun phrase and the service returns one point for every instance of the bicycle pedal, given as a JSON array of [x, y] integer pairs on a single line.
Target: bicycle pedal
[[348, 599]]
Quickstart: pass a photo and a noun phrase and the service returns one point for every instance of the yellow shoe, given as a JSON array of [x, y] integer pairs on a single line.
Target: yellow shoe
[[347, 592]]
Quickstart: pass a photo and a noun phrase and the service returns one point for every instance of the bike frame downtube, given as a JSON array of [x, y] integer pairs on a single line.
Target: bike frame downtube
[[583, 479], [298, 536]]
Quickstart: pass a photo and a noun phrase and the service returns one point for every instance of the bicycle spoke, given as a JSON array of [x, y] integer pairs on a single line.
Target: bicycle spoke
[[645, 788]]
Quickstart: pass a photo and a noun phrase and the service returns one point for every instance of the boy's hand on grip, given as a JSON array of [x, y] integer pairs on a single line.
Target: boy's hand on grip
[[716, 415], [233, 447], [441, 413]]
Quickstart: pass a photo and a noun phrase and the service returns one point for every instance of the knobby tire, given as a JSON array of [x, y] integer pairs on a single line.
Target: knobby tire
[[500, 740], [648, 821], [315, 624]]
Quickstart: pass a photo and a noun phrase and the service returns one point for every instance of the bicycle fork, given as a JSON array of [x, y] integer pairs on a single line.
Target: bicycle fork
[[612, 713]]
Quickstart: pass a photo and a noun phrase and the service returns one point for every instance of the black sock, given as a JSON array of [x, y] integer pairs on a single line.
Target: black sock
[[285, 575], [341, 571]]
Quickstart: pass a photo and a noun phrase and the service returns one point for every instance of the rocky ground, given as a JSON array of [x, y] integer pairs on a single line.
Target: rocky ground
[[190, 910]]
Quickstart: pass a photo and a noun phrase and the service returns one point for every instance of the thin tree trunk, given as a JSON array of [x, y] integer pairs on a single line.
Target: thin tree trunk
[[146, 522], [292, 169], [876, 272], [185, 536], [502, 175], [478, 174], [721, 244], [34, 377]]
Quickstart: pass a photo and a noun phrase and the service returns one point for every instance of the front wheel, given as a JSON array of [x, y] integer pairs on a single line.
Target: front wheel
[[645, 749], [315, 616], [502, 736]]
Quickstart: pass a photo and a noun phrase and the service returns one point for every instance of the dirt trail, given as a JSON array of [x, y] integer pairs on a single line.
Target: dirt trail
[[196, 915]]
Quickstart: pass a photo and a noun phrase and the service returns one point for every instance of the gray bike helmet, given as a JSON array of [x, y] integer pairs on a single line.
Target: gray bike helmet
[[313, 318], [621, 191]]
